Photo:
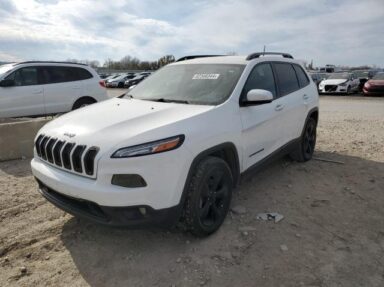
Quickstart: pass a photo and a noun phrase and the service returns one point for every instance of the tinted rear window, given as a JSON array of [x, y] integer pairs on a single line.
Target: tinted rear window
[[53, 74], [301, 76], [286, 78]]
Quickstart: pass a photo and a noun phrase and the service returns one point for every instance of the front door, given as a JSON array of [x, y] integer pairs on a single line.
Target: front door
[[26, 97]]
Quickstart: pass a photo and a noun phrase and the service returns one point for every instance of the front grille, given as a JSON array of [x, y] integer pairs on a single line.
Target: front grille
[[330, 88], [70, 156]]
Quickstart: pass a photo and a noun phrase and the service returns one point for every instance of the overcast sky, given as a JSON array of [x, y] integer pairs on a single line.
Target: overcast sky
[[342, 32]]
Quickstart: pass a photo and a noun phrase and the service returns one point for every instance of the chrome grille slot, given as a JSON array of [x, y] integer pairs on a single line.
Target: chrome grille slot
[[66, 155], [89, 160], [37, 145], [70, 156], [49, 149], [42, 147], [57, 152], [76, 158]]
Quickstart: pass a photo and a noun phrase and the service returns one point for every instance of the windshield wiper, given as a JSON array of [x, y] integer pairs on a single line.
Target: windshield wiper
[[163, 100], [129, 96]]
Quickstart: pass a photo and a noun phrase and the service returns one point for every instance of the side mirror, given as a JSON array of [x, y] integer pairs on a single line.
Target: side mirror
[[258, 97], [7, 83]]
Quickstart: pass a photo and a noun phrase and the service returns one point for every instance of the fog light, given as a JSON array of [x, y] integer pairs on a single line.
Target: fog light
[[128, 180]]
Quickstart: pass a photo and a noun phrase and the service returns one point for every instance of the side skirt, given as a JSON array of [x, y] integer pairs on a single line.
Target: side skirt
[[279, 153]]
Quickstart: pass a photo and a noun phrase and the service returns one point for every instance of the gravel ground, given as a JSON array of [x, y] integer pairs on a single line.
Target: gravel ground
[[332, 233]]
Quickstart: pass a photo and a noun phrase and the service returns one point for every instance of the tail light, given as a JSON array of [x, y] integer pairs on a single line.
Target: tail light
[[102, 83]]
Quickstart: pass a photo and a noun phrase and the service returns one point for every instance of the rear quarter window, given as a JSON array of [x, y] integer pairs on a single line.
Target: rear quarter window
[[286, 78], [61, 74], [301, 76]]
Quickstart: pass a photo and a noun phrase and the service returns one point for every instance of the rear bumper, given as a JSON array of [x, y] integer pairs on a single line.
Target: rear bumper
[[132, 216]]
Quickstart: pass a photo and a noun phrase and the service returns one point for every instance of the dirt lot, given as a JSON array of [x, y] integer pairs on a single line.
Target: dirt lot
[[332, 233]]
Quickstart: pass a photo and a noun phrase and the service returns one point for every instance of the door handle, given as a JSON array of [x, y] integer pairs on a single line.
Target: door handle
[[305, 97], [37, 91], [279, 107]]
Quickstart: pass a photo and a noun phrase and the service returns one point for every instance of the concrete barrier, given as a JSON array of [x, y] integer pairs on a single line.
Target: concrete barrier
[[16, 137]]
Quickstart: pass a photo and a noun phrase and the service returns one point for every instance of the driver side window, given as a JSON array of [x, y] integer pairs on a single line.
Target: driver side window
[[261, 77]]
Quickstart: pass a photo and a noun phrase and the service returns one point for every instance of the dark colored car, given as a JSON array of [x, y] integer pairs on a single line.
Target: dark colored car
[[363, 77], [136, 80], [375, 86]]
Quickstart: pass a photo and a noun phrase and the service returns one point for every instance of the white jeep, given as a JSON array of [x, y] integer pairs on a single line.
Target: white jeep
[[172, 149]]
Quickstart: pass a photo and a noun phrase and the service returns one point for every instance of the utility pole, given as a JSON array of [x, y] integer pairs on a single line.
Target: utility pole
[[264, 50]]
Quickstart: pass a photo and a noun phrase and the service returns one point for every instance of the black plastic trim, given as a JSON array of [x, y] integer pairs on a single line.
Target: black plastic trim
[[111, 215]]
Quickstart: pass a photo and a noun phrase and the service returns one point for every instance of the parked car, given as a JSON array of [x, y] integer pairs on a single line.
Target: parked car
[[134, 81], [41, 88], [172, 149], [318, 77], [111, 77], [375, 86], [362, 76], [339, 83], [118, 82]]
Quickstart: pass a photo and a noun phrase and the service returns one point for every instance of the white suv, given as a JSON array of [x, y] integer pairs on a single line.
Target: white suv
[[41, 88], [172, 149]]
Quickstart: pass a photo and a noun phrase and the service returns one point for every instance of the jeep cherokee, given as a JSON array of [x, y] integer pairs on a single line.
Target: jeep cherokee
[[172, 149]]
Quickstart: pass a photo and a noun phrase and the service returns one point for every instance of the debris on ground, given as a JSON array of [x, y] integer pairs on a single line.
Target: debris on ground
[[328, 160], [284, 247], [239, 209], [270, 216]]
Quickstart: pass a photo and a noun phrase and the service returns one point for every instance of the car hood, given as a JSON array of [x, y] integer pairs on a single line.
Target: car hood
[[118, 120], [333, 81]]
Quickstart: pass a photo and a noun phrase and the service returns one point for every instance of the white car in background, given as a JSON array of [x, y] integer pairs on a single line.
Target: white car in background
[[43, 88], [342, 82]]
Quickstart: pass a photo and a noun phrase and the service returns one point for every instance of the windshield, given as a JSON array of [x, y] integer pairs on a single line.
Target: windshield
[[379, 76], [201, 84], [5, 68], [361, 74], [344, 76]]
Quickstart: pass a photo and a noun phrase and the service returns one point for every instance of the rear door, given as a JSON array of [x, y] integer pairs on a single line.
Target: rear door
[[26, 98], [261, 123], [291, 103], [63, 88]]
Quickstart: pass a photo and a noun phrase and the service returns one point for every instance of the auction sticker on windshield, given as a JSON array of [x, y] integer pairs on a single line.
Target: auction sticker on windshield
[[205, 76]]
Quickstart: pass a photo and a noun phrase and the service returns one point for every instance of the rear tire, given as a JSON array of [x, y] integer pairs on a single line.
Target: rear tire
[[80, 103], [305, 148], [208, 197]]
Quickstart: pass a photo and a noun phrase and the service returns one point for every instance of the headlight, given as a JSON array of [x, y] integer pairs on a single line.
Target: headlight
[[150, 148], [343, 84]]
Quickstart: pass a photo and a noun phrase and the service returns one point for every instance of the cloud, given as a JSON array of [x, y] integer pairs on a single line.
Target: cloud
[[337, 32]]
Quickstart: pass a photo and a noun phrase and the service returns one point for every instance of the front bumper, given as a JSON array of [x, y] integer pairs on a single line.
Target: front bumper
[[375, 93], [329, 89], [132, 216], [164, 173]]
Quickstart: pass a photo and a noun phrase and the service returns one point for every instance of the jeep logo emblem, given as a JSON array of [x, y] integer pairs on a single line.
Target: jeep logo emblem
[[69, 135]]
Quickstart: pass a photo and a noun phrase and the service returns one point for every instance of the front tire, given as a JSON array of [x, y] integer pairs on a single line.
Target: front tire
[[306, 146], [208, 197]]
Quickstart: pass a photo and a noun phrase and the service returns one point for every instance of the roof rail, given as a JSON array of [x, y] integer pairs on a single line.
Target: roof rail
[[257, 55], [196, 56], [49, 62]]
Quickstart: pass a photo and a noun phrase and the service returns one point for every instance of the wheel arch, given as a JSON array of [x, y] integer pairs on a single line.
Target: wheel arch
[[83, 98], [226, 151]]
